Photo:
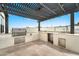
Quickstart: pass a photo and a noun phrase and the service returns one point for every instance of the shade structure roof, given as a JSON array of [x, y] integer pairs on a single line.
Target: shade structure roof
[[39, 11]]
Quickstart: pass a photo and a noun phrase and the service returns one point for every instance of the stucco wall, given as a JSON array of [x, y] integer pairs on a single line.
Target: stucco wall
[[43, 36], [72, 40], [31, 37], [6, 41]]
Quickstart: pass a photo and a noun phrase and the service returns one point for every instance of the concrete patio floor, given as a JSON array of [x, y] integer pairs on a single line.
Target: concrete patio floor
[[36, 48]]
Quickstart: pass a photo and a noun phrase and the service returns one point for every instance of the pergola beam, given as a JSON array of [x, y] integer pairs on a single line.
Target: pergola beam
[[48, 8], [61, 7]]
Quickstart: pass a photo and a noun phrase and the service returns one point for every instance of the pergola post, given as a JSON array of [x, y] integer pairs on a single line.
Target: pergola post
[[38, 25], [1, 26], [39, 29], [6, 23], [72, 23], [4, 9]]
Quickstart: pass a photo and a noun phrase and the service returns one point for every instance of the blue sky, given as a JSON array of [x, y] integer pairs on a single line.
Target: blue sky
[[20, 22]]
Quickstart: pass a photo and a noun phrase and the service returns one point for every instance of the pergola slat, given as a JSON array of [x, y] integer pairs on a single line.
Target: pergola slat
[[34, 10]]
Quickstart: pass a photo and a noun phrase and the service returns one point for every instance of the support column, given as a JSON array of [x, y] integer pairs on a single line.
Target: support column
[[1, 26], [39, 29], [38, 25], [6, 23], [4, 9], [72, 23], [2, 23]]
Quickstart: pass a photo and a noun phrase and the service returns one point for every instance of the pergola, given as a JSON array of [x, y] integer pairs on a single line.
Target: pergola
[[39, 11]]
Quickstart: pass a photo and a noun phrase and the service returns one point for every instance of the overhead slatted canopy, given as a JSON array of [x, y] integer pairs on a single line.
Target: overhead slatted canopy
[[39, 11]]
